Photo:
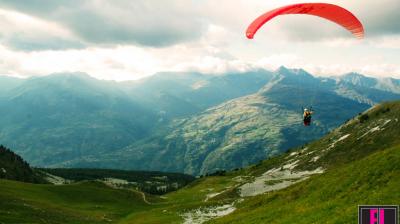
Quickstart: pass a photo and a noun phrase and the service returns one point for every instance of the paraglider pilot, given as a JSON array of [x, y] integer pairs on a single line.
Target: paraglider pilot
[[307, 117]]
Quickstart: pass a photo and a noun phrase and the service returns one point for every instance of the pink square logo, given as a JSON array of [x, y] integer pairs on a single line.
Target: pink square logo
[[378, 214]]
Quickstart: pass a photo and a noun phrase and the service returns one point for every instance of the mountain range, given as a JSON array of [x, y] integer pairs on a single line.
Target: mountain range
[[180, 122]]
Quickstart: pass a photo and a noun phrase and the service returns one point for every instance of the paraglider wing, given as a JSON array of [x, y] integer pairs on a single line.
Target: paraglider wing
[[330, 12]]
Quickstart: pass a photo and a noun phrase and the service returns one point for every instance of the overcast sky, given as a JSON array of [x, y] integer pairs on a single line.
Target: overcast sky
[[131, 39]]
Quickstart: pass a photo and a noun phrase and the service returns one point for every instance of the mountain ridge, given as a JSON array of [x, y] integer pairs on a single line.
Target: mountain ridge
[[86, 122]]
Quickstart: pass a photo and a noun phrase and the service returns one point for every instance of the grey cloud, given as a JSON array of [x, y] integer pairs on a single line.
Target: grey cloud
[[381, 17], [34, 35], [145, 22]]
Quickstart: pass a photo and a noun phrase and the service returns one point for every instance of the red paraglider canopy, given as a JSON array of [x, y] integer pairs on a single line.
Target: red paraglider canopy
[[330, 12]]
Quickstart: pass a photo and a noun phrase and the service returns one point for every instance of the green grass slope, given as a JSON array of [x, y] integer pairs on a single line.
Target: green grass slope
[[329, 198], [174, 205], [86, 202]]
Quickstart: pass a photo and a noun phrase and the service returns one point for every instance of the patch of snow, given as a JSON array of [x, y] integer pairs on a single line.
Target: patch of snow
[[291, 165], [343, 138], [303, 150], [309, 153], [205, 214], [209, 196], [293, 154], [377, 128], [279, 179], [332, 145], [386, 122], [314, 159]]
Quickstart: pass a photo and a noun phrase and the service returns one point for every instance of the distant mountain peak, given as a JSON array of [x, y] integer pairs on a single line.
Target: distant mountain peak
[[295, 76], [282, 70]]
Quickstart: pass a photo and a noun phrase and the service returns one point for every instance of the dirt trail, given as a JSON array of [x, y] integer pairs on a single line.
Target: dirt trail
[[144, 197]]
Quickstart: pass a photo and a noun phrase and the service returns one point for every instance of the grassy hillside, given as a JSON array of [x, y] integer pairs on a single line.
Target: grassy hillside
[[176, 205], [86, 202], [332, 197]]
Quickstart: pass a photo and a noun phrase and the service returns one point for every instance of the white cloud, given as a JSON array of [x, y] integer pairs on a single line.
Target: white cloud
[[373, 69], [125, 62], [107, 63], [275, 61], [390, 42]]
